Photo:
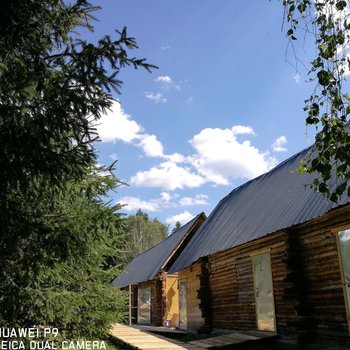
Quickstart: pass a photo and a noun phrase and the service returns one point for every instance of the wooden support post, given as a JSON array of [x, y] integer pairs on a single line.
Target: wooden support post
[[130, 305]]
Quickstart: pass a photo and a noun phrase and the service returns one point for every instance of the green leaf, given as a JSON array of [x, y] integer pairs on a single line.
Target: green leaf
[[340, 5]]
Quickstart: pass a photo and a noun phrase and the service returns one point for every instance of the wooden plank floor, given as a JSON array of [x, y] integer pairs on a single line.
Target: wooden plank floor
[[232, 339], [147, 341], [143, 340]]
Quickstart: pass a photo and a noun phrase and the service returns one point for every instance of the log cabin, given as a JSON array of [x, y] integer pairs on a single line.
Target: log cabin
[[274, 255], [153, 293]]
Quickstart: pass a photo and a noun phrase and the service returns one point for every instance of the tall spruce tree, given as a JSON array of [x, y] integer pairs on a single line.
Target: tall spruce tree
[[58, 238]]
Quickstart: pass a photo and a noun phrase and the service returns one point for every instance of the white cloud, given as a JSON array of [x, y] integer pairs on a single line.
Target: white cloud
[[168, 176], [220, 156], [242, 130], [183, 218], [113, 156], [175, 157], [278, 145], [165, 200], [151, 145], [134, 203], [199, 199], [165, 197], [155, 96], [189, 99], [164, 79], [117, 125], [167, 83], [297, 78]]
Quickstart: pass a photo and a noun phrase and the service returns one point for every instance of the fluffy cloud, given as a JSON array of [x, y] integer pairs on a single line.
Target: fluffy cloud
[[279, 144], [155, 96], [199, 199], [175, 158], [164, 79], [151, 145], [117, 125], [220, 156], [242, 130], [165, 197], [167, 83], [297, 78], [134, 203], [168, 176], [155, 204], [183, 218]]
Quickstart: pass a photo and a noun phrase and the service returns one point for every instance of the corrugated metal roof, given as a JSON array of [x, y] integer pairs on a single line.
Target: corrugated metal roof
[[145, 266], [276, 200]]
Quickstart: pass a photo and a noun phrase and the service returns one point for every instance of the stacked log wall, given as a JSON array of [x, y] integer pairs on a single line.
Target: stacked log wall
[[308, 289], [232, 285], [192, 276], [322, 271]]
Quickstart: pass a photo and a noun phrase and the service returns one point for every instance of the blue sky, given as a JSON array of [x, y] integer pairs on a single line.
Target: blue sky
[[225, 105]]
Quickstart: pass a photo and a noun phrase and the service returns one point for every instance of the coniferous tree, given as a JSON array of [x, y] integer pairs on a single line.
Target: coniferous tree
[[177, 226], [58, 240]]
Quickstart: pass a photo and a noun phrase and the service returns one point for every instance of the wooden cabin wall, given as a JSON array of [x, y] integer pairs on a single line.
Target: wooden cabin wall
[[308, 290], [191, 276], [156, 300], [322, 285], [232, 285]]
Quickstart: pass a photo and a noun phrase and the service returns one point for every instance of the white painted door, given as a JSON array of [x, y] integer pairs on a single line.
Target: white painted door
[[344, 250], [182, 305], [144, 305], [264, 299]]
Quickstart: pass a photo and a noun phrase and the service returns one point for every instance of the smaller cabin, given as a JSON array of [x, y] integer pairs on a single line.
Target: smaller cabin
[[153, 293]]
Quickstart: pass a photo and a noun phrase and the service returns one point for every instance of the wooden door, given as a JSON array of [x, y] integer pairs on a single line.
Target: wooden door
[[182, 305], [344, 255], [144, 305], [264, 298], [172, 300]]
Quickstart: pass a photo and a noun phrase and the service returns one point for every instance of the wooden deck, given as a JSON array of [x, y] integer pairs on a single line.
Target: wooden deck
[[236, 338], [143, 340]]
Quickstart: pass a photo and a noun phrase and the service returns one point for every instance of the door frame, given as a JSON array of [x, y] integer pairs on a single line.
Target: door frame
[[185, 284], [138, 306], [252, 255], [341, 268]]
